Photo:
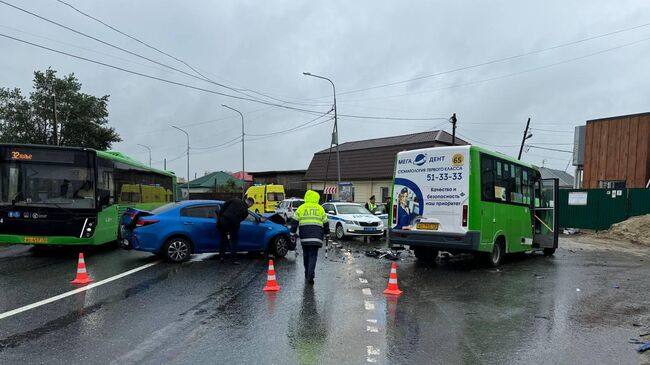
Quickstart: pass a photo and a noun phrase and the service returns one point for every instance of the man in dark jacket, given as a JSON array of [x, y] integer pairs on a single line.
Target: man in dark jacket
[[229, 218], [311, 219]]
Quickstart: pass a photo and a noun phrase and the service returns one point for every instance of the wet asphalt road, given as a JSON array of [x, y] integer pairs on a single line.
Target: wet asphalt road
[[452, 312]]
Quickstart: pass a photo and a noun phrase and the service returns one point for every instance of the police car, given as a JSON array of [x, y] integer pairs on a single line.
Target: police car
[[350, 219]]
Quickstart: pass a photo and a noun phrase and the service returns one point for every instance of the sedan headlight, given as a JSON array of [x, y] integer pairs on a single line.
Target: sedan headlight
[[349, 222]]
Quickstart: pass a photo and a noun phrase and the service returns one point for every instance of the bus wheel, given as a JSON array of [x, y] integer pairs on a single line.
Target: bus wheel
[[495, 258], [177, 249], [549, 251], [339, 232], [425, 253]]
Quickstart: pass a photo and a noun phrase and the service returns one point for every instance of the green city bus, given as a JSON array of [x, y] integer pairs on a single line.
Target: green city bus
[[467, 199], [52, 195]]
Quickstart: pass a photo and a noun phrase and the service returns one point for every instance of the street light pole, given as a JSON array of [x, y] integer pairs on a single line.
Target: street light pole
[[243, 165], [335, 133], [149, 149], [188, 158]]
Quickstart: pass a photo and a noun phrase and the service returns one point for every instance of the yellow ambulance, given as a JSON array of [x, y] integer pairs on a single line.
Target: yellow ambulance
[[267, 197]]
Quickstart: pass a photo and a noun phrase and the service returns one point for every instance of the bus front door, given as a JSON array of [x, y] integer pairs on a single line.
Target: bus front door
[[545, 214]]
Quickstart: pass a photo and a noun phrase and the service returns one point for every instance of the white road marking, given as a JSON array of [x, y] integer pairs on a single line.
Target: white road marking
[[363, 281], [370, 306], [359, 272], [371, 359], [371, 321], [372, 350], [373, 329], [366, 291], [76, 291]]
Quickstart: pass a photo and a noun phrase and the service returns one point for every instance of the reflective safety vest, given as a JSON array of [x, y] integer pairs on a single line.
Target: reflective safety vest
[[312, 221], [372, 207]]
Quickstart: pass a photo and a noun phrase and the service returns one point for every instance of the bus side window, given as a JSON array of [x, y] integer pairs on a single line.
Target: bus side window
[[487, 178], [525, 186], [516, 196]]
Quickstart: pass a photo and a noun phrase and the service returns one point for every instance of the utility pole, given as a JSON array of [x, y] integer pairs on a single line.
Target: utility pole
[[523, 140], [335, 133], [164, 164], [148, 149], [243, 165], [56, 118], [453, 121], [188, 159]]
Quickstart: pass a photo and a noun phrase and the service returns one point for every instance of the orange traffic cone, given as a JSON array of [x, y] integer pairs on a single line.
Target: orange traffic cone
[[271, 284], [392, 282], [82, 274]]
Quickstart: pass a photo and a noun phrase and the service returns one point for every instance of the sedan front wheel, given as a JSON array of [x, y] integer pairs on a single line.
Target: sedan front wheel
[[280, 246], [340, 232]]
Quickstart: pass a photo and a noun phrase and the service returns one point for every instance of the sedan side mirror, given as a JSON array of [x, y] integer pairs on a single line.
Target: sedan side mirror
[[378, 212], [331, 212]]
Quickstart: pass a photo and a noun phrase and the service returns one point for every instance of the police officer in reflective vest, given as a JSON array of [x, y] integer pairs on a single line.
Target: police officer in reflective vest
[[371, 205], [311, 219]]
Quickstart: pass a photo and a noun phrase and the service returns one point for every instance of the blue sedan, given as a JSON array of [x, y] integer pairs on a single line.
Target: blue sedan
[[177, 230]]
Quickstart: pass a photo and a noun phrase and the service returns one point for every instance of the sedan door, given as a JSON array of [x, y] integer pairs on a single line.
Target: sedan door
[[251, 234], [200, 223]]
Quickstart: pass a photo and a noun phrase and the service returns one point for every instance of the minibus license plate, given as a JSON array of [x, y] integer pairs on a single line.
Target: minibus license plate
[[427, 226]]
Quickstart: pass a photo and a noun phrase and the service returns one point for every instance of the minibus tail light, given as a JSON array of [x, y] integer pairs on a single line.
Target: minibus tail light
[[464, 215]]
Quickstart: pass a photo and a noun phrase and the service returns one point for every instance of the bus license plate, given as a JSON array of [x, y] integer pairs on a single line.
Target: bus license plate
[[427, 226], [35, 239]]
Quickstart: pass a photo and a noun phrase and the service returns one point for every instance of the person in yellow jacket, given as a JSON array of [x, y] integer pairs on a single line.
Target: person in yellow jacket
[[311, 222]]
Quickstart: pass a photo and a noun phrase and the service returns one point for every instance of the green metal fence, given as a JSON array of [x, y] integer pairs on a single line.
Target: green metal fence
[[600, 208]]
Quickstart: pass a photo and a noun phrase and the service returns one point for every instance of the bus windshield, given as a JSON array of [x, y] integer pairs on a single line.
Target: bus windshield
[[70, 184]]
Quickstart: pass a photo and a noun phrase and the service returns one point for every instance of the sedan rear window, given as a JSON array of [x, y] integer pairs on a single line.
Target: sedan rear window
[[164, 208]]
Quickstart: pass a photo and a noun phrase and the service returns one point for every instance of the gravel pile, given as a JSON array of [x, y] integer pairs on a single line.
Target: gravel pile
[[635, 229]]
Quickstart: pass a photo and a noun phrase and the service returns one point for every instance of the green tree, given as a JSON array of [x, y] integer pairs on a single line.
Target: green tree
[[230, 186], [56, 113]]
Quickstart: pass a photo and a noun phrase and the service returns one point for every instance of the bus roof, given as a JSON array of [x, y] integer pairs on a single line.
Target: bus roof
[[120, 157], [479, 149], [504, 156]]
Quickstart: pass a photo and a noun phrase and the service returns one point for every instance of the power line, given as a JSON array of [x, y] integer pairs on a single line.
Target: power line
[[507, 75], [498, 60], [155, 77], [313, 112], [233, 143], [205, 78], [549, 149], [238, 139], [486, 143], [131, 37], [295, 130], [290, 129], [552, 131], [202, 78]]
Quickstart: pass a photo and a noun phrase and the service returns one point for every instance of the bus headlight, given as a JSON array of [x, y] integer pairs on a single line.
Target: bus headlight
[[89, 228]]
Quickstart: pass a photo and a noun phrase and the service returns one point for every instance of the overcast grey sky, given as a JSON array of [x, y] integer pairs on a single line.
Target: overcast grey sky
[[266, 45]]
